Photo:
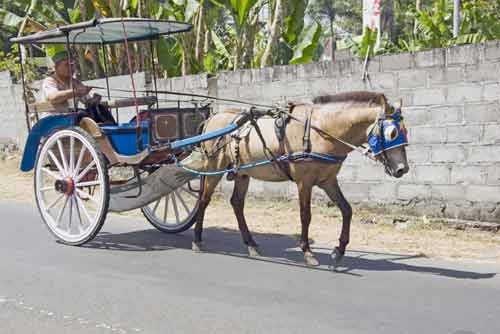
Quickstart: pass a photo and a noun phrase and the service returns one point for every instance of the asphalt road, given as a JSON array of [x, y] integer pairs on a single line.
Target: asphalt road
[[133, 279]]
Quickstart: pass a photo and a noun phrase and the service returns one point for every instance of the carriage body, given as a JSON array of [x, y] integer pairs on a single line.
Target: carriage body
[[77, 161]]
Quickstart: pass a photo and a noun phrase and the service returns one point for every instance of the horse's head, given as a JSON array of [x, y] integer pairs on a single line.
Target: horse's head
[[387, 140]]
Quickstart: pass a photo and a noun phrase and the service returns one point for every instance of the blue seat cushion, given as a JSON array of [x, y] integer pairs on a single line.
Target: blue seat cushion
[[123, 137]]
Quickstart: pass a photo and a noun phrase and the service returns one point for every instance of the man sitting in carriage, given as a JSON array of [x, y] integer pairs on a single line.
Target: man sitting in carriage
[[56, 89]]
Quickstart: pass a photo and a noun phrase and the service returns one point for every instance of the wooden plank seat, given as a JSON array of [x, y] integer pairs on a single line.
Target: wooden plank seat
[[46, 107], [130, 102]]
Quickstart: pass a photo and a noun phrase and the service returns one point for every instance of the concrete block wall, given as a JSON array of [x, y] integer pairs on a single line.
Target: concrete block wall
[[451, 102], [12, 120]]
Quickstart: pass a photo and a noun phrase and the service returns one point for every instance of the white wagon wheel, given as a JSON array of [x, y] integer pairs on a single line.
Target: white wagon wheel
[[72, 186], [176, 212]]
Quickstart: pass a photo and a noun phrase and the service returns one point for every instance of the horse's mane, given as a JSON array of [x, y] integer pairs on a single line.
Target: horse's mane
[[357, 96]]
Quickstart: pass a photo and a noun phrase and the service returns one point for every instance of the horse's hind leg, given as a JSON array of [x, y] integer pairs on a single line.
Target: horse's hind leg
[[305, 191], [208, 189], [238, 203], [333, 191]]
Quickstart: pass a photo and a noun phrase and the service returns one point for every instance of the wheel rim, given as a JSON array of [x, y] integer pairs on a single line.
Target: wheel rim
[[175, 210], [70, 186]]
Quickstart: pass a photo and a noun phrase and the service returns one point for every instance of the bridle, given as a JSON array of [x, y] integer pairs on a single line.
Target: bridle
[[380, 140]]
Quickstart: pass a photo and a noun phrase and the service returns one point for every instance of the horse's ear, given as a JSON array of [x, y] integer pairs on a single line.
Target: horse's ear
[[385, 105], [399, 105]]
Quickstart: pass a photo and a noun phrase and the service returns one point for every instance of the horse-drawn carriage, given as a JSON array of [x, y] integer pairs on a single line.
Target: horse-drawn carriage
[[74, 157]]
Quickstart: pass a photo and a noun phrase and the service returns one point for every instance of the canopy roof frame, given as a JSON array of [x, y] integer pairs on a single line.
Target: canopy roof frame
[[106, 31]]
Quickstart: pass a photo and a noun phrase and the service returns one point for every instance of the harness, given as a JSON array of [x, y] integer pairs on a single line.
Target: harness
[[380, 140]]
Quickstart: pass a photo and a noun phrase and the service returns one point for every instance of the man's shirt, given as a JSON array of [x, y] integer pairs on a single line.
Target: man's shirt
[[51, 85]]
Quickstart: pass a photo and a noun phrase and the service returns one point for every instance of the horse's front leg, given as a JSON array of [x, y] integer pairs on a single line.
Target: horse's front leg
[[241, 183], [333, 191], [210, 182], [305, 191]]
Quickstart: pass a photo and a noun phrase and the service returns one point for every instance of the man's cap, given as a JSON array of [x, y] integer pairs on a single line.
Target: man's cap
[[61, 55]]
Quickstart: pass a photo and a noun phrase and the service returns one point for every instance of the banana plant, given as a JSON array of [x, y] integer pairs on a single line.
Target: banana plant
[[363, 46], [480, 21], [307, 43]]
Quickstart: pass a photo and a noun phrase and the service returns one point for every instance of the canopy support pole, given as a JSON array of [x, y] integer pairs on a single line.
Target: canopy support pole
[[70, 61], [26, 108], [106, 75], [153, 69]]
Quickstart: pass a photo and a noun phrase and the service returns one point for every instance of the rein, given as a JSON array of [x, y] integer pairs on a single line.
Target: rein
[[276, 111]]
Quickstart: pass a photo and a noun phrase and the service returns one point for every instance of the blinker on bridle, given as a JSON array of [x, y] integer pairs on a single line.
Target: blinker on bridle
[[389, 132]]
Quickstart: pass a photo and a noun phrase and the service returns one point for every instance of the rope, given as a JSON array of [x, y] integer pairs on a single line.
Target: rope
[[148, 91], [363, 151], [129, 59]]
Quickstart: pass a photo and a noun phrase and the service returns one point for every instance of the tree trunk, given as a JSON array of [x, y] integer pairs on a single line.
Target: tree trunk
[[333, 43], [387, 23], [249, 41], [274, 34], [84, 70], [199, 32], [418, 6]]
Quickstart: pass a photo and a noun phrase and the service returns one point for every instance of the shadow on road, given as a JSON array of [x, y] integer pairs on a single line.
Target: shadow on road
[[275, 248]]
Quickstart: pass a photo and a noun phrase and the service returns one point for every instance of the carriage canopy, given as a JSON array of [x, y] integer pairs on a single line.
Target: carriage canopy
[[106, 31]]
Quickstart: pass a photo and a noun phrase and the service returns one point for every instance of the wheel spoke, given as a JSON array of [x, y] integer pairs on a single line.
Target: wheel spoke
[[59, 215], [182, 202], [88, 183], [86, 195], [166, 210], [84, 209], [46, 189], [189, 192], [156, 205], [79, 161], [63, 157], [61, 169], [70, 213], [175, 209], [71, 155], [85, 171], [77, 208], [51, 173], [51, 205]]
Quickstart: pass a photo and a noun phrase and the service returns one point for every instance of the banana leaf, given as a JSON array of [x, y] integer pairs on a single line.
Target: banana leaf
[[308, 42]]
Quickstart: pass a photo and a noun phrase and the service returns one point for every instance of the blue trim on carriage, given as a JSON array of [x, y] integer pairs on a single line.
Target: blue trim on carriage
[[43, 128], [203, 137], [287, 157]]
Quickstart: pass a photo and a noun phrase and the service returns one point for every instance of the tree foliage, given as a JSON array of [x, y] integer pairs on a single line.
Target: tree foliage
[[234, 34]]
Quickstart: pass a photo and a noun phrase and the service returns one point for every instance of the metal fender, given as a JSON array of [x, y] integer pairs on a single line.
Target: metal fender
[[41, 129]]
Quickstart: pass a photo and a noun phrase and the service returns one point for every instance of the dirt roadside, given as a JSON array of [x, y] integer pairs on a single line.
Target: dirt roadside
[[370, 232]]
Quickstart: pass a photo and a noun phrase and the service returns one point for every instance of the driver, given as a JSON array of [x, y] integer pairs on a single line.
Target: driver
[[56, 90]]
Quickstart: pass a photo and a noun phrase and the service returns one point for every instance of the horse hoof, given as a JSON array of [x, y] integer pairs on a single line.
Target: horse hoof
[[311, 261], [196, 247], [253, 251], [337, 257]]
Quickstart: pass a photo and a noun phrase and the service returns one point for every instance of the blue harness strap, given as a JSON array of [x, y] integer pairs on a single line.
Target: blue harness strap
[[292, 157]]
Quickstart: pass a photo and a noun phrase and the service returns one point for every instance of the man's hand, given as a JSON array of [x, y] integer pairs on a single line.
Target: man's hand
[[82, 90], [94, 100]]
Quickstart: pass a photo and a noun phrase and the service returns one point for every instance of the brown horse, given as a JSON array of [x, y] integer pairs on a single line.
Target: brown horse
[[349, 117]]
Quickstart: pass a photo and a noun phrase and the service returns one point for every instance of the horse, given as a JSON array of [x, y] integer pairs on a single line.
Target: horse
[[332, 126]]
